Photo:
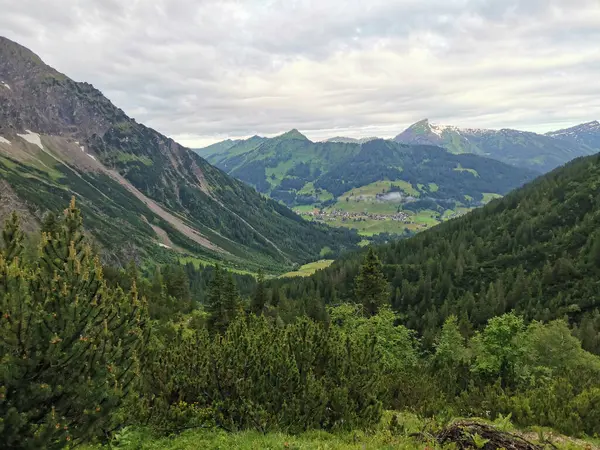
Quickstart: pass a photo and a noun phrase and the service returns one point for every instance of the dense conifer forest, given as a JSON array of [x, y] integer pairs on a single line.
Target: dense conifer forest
[[95, 355], [535, 252]]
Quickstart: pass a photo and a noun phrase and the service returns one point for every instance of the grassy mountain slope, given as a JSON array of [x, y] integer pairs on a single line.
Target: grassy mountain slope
[[378, 186], [519, 148], [70, 139], [536, 251]]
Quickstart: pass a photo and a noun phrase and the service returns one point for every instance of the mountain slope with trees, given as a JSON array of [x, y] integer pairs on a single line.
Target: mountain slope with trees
[[60, 137], [98, 355], [371, 182], [535, 251]]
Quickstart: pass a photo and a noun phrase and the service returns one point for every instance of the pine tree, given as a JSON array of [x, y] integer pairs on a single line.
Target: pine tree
[[259, 300], [50, 223], [69, 343], [231, 299], [12, 237], [370, 286], [215, 305]]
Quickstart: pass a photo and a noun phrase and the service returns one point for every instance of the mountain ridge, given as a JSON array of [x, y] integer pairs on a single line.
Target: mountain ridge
[[78, 142]]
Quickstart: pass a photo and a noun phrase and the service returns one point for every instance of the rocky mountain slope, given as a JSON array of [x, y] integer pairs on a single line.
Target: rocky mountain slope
[[586, 134], [142, 193], [519, 148]]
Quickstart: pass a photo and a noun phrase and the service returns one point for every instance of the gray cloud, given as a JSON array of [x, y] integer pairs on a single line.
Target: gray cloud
[[203, 70]]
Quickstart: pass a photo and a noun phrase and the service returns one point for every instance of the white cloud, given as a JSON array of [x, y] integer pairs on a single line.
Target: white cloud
[[205, 70]]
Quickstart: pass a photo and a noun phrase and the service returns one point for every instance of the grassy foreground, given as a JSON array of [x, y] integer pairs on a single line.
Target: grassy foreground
[[384, 437]]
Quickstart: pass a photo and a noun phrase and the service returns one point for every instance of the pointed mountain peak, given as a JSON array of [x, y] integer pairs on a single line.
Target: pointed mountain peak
[[420, 124], [19, 62], [293, 134]]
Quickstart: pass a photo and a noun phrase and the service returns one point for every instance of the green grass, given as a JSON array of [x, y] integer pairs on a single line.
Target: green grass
[[427, 217], [128, 157], [488, 197], [373, 207], [309, 189], [197, 262], [308, 269], [463, 169], [371, 227], [325, 251], [433, 187], [379, 187], [279, 171], [375, 439], [304, 208]]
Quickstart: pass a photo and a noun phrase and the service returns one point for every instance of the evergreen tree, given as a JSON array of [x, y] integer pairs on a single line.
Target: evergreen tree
[[215, 304], [231, 299], [259, 300], [50, 223], [370, 286], [68, 342]]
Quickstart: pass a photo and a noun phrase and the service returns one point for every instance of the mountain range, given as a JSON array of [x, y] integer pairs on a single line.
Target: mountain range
[[400, 186], [540, 152], [142, 193]]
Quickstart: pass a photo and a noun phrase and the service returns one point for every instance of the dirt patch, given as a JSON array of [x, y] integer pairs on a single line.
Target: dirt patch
[[163, 237], [162, 213]]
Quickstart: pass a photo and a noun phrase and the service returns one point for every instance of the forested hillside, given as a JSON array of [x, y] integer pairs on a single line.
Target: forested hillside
[[109, 358], [535, 251], [145, 196], [375, 186]]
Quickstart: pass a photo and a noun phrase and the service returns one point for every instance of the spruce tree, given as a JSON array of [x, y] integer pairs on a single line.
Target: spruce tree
[[370, 285], [231, 299], [68, 343], [215, 305], [259, 300]]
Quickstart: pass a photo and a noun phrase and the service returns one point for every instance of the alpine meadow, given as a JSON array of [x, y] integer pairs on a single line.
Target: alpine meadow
[[362, 283]]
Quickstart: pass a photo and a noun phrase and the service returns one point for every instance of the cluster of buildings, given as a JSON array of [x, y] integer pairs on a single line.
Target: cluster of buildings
[[338, 214]]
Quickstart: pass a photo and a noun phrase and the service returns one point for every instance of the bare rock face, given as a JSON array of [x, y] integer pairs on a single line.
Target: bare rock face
[[35, 96]]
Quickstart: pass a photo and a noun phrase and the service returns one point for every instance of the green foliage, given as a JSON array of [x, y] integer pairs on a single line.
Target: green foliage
[[259, 375], [68, 343], [532, 251], [259, 299], [370, 287], [223, 301]]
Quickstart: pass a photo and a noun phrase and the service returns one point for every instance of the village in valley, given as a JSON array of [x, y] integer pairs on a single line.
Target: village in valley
[[338, 214]]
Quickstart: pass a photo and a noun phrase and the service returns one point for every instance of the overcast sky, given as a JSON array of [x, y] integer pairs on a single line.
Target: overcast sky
[[204, 70]]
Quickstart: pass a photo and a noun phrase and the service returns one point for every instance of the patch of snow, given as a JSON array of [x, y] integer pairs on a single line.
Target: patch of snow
[[82, 148], [437, 130], [4, 140], [32, 138], [163, 245], [92, 156], [5, 85]]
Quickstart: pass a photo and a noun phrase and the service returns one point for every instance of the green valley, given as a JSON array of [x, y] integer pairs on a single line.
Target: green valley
[[440, 291], [373, 187]]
